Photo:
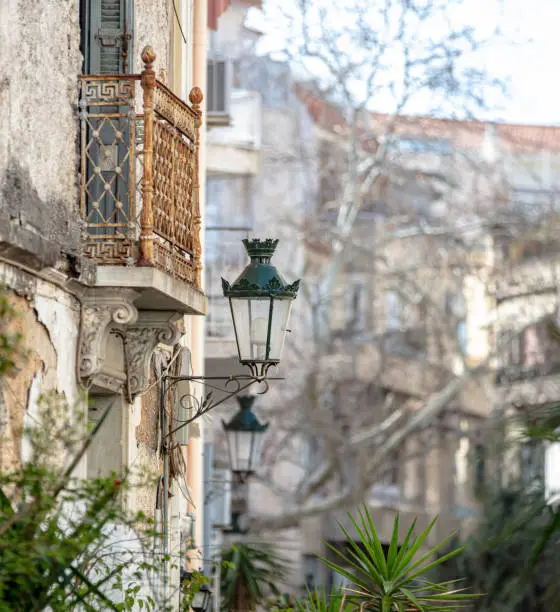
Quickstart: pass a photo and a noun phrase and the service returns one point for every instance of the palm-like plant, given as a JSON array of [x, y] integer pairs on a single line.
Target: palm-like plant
[[319, 601], [395, 581], [250, 574]]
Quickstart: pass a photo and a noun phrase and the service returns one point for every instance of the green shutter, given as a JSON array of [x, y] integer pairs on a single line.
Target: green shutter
[[108, 48]]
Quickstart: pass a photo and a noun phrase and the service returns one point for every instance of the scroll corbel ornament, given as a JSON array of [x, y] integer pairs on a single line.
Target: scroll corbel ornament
[[140, 342], [99, 314]]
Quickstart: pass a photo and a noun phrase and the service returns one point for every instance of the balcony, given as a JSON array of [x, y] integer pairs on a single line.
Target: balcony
[[528, 386], [535, 276], [236, 148], [139, 185], [139, 190]]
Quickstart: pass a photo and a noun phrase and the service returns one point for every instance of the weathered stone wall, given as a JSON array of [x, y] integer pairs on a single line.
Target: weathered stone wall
[[152, 27], [47, 319], [39, 46]]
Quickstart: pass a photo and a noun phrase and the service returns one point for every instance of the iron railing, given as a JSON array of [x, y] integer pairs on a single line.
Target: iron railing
[[139, 172]]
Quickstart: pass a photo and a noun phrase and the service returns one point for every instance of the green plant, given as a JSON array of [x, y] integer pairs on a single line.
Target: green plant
[[395, 580], [514, 551], [250, 573], [10, 343], [283, 603], [58, 548], [57, 532], [190, 588], [513, 554], [320, 601]]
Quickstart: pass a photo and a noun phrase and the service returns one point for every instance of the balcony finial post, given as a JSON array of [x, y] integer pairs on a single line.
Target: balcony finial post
[[148, 83], [195, 98]]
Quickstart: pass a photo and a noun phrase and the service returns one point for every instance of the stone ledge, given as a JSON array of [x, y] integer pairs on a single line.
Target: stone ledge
[[157, 290], [535, 392]]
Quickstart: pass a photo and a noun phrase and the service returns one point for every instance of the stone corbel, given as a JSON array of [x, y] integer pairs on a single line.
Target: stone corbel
[[140, 341], [102, 310]]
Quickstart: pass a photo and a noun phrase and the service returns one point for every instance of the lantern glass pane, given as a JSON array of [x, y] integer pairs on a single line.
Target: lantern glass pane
[[257, 449], [199, 601], [241, 443], [279, 324], [251, 320], [240, 314]]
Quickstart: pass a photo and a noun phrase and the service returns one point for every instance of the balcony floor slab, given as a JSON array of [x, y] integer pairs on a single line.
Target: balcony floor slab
[[158, 290]]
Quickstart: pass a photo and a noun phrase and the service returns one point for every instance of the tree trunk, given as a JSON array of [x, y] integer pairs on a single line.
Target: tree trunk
[[243, 601]]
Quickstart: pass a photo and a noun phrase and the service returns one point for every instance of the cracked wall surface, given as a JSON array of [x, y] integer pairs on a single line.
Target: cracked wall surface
[[47, 319]]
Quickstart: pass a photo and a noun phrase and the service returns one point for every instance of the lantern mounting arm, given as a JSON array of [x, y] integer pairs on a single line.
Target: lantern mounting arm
[[229, 386]]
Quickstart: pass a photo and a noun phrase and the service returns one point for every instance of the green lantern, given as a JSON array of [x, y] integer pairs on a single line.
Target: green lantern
[[201, 599], [244, 436], [260, 302]]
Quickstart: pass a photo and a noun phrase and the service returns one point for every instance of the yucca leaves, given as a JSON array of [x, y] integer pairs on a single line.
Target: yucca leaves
[[320, 601], [251, 572], [393, 580]]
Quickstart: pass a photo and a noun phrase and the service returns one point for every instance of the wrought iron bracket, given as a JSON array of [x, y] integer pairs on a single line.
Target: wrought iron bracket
[[227, 386]]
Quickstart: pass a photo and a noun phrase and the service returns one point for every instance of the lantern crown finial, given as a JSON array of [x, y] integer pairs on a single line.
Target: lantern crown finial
[[246, 401], [245, 419], [260, 250], [260, 277]]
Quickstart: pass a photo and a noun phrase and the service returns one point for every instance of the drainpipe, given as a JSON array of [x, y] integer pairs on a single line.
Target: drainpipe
[[195, 447]]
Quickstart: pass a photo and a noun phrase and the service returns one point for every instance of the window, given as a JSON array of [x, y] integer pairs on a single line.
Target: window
[[392, 474], [434, 146], [393, 310], [312, 571], [355, 306], [532, 203], [462, 336], [219, 86], [552, 472], [530, 348], [107, 36], [455, 305], [532, 458], [479, 467]]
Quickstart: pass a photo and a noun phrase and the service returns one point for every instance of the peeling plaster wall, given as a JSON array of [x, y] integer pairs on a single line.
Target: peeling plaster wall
[[47, 317]]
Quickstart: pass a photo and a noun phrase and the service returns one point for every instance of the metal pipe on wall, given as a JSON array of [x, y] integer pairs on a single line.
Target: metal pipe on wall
[[195, 447]]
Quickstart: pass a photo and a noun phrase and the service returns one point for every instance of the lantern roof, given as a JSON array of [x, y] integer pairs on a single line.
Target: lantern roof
[[245, 419], [260, 278]]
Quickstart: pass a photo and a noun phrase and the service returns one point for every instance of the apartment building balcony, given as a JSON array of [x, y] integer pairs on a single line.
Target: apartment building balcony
[[528, 386], [236, 148], [139, 190], [533, 276], [139, 186], [397, 371]]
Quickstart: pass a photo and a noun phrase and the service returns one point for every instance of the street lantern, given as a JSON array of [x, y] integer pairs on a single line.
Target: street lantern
[[244, 435], [260, 302], [201, 599]]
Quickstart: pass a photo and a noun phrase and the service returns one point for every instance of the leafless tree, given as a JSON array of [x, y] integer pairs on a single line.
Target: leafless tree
[[412, 206]]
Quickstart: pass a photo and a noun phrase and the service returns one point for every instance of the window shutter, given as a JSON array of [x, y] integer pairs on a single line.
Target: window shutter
[[218, 86], [108, 48]]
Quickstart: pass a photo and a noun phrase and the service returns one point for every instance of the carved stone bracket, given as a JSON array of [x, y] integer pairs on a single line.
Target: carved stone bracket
[[117, 341], [140, 341], [102, 310]]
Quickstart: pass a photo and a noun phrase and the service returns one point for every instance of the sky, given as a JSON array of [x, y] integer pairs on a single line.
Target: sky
[[528, 55]]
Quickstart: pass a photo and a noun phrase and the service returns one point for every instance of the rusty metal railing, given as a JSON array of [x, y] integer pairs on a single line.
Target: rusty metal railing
[[139, 178]]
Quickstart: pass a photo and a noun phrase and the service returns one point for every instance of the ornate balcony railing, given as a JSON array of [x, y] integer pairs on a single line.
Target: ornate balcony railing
[[139, 172]]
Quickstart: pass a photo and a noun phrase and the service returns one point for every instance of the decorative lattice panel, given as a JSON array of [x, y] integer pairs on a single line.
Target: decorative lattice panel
[[107, 169]]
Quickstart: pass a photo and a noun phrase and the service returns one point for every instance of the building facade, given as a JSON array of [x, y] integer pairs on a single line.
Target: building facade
[[102, 174]]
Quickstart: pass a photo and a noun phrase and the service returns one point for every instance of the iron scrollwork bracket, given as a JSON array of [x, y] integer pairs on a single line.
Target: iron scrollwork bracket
[[227, 386]]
